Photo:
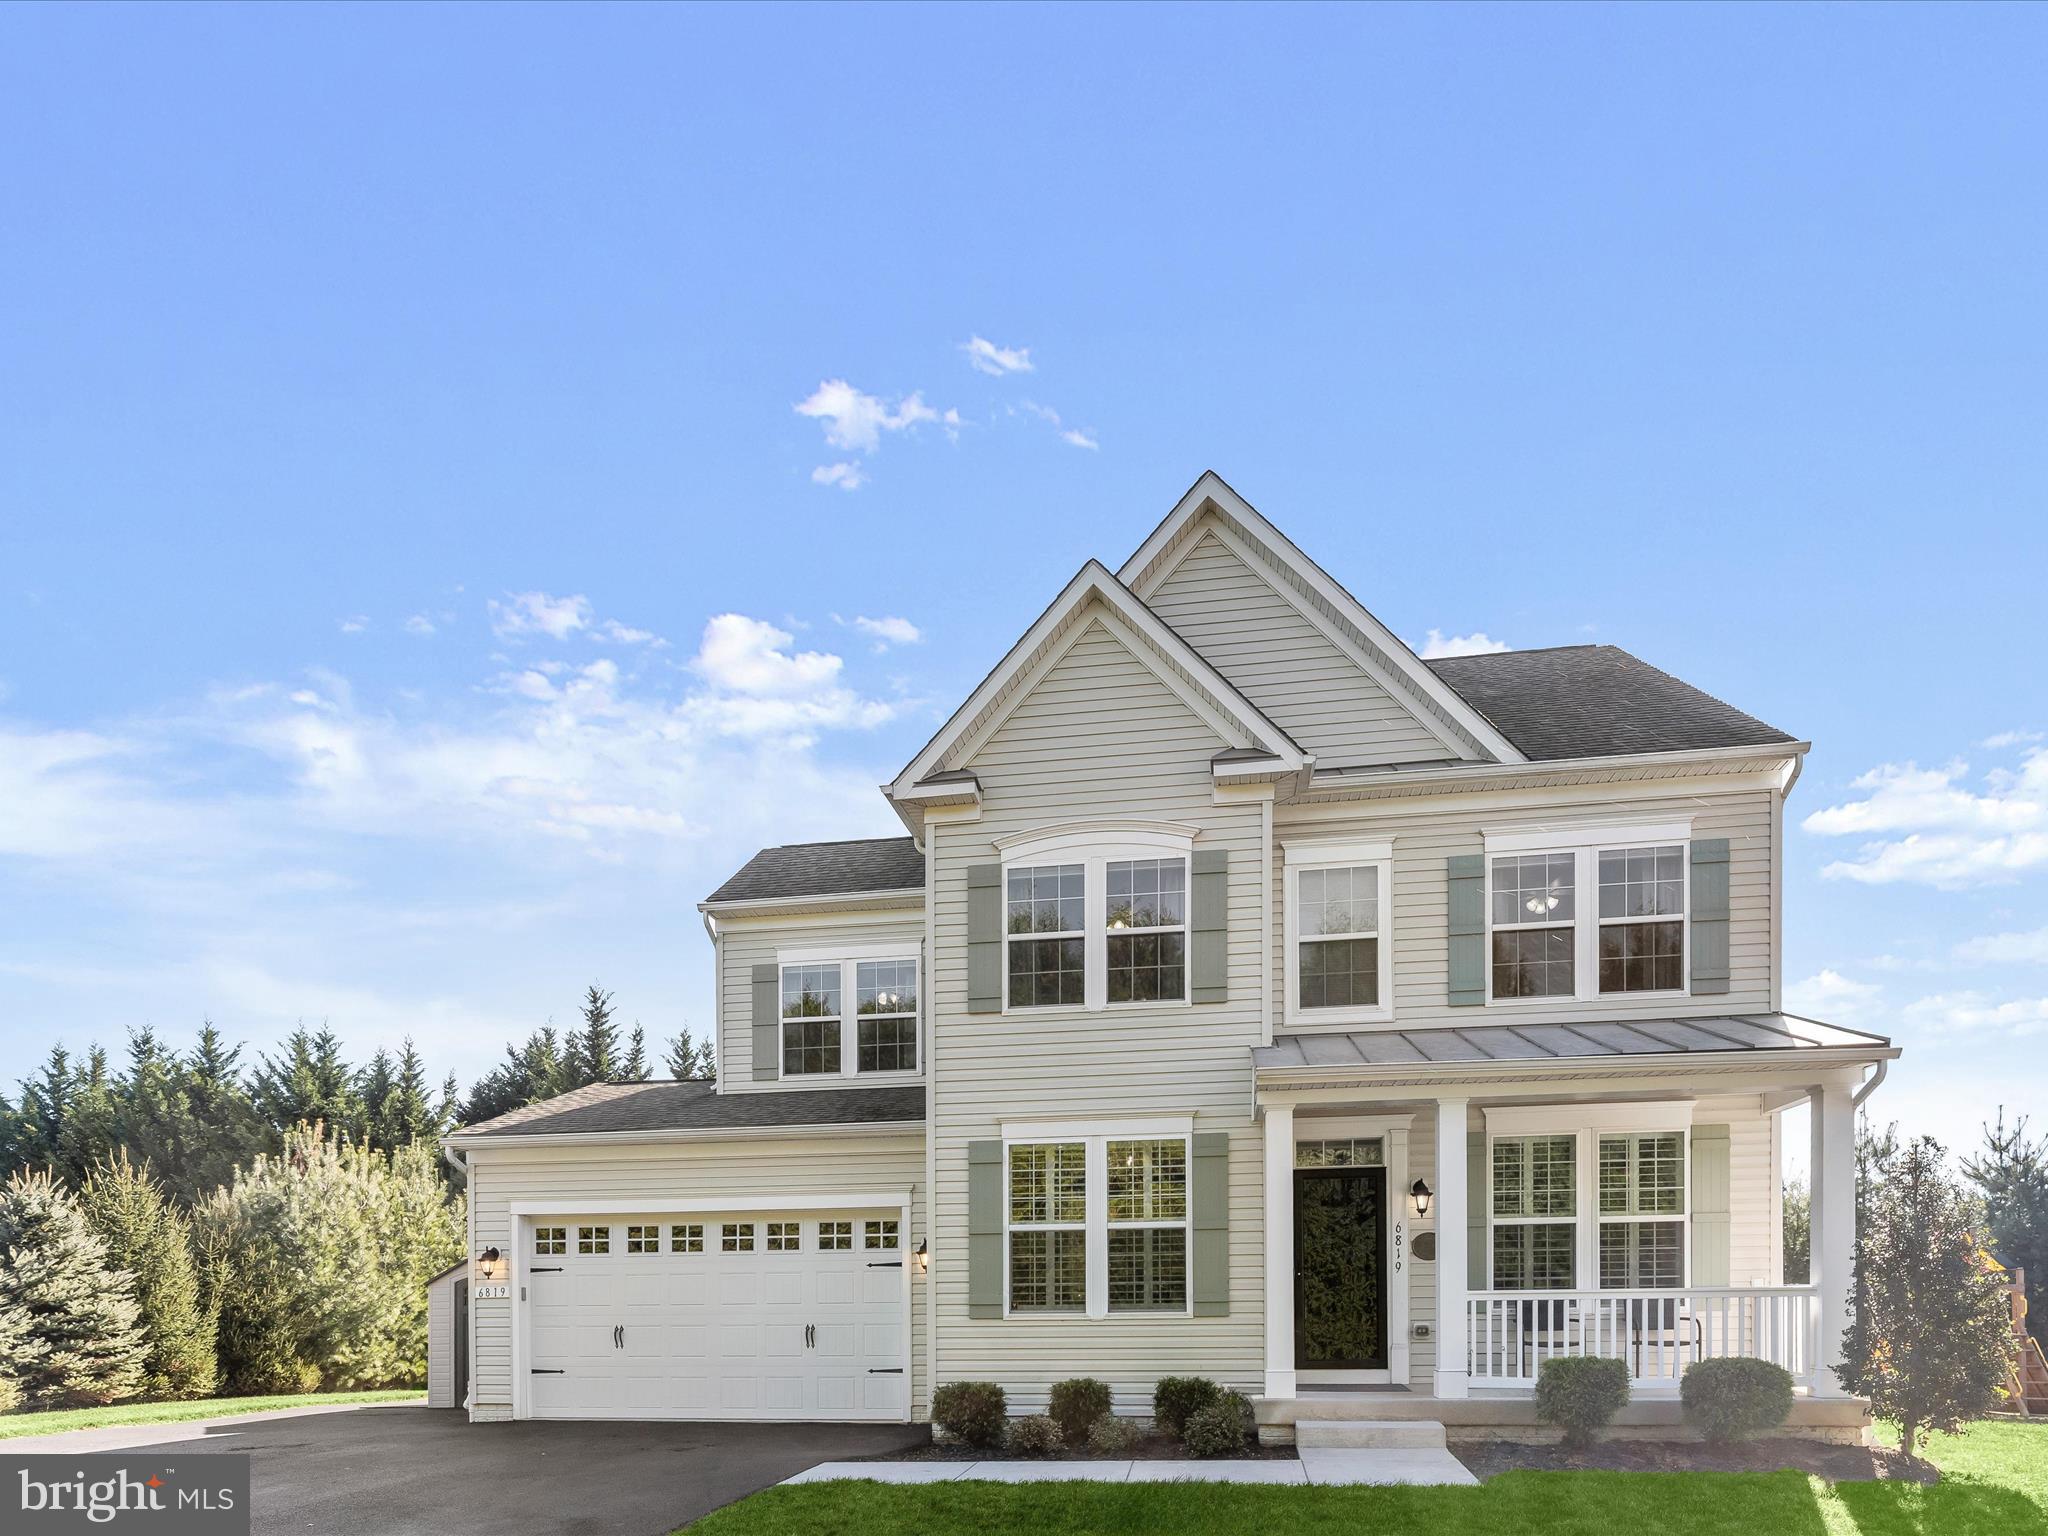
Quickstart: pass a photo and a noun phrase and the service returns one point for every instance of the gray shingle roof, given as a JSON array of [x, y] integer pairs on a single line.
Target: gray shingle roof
[[697, 1106], [827, 869], [1547, 1042], [1595, 701]]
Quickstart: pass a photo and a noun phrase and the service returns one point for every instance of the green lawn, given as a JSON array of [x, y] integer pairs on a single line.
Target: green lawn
[[1995, 1484], [15, 1425]]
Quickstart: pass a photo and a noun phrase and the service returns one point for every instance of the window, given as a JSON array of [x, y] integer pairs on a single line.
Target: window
[[593, 1239], [1534, 918], [1642, 919], [835, 1236], [737, 1237], [879, 1234], [810, 1019], [1048, 1228], [1148, 1218], [688, 1237], [1146, 915], [1339, 943], [885, 998], [1642, 1211], [1047, 921], [784, 1236], [1342, 1152], [1534, 1212], [550, 1239], [643, 1239]]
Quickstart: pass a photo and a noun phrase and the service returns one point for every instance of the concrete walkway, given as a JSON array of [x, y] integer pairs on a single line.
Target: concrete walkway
[[1383, 1467]]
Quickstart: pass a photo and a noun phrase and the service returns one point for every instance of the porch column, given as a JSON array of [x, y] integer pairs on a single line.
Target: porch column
[[1833, 1245], [1279, 1251], [1451, 1327]]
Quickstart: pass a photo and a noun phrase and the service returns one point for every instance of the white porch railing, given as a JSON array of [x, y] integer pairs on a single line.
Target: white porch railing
[[1657, 1334]]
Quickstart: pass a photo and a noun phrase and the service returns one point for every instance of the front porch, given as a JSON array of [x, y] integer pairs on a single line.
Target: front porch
[[1439, 1229]]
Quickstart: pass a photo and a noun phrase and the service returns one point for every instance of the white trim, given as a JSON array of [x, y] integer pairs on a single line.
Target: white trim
[[1392, 1132], [1126, 1128], [513, 1140], [1095, 1226], [1096, 834], [850, 958], [1564, 836], [1552, 1119], [1585, 847], [737, 1205], [1620, 766], [771, 906], [1211, 489], [1303, 855], [1337, 850], [1095, 847], [820, 954]]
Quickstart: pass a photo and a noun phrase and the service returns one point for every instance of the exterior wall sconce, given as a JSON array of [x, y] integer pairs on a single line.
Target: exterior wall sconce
[[924, 1257], [1422, 1194], [487, 1264]]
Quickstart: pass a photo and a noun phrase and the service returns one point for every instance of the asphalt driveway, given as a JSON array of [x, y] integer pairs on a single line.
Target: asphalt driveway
[[410, 1471]]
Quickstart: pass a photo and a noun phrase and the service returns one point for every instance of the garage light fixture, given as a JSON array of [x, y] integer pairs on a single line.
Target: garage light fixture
[[924, 1257], [487, 1264], [1422, 1193]]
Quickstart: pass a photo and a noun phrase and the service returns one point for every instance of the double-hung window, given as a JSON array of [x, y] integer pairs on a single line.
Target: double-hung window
[[1047, 935], [1642, 1211], [1097, 1223], [1339, 938], [1599, 914], [881, 985], [1534, 1211], [1097, 917], [1147, 919]]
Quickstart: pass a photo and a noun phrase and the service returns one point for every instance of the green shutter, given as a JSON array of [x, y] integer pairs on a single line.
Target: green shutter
[[1210, 1205], [984, 938], [984, 1229], [1710, 915], [1475, 1211], [1208, 926], [767, 1021], [1467, 875], [1710, 1204]]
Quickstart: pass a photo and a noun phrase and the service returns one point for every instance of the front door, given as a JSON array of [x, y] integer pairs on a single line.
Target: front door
[[1340, 1298]]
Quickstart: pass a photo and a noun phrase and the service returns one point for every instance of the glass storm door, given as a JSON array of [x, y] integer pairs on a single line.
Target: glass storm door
[[1340, 1299]]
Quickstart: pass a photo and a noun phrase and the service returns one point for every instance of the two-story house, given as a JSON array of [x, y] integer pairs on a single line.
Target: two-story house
[[1248, 998]]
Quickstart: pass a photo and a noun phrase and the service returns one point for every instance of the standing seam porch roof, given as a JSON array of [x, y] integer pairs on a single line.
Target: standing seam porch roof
[[1739, 1033]]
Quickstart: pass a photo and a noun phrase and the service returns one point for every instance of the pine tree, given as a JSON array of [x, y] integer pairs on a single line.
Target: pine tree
[[634, 1069], [226, 1130], [530, 1072], [150, 1238], [403, 1113], [687, 1059], [2012, 1174], [14, 1341], [83, 1343], [373, 1087], [309, 1083], [38, 1125], [90, 1120], [592, 1054], [1928, 1341]]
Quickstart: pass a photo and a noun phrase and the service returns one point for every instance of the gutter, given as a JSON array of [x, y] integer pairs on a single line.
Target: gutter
[[453, 1157], [1466, 773], [907, 895], [1871, 1086], [656, 1138]]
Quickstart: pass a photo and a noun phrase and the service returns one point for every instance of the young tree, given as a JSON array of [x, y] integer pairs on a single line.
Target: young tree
[[90, 1120], [14, 1342], [687, 1059], [592, 1052], [308, 1081], [529, 1073], [37, 1123], [403, 1113], [150, 1238], [634, 1068], [225, 1129], [1797, 1222], [2012, 1174], [83, 1345], [1928, 1342]]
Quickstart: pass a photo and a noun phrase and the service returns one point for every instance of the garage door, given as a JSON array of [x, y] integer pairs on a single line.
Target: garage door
[[722, 1316]]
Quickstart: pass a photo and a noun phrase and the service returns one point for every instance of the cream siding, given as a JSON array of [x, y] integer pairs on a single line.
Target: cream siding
[[738, 1169], [1099, 736], [441, 1341], [743, 945], [1261, 640], [1430, 834]]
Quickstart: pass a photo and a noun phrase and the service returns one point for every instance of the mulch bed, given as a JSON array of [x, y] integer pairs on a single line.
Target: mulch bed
[[1837, 1463], [1152, 1447]]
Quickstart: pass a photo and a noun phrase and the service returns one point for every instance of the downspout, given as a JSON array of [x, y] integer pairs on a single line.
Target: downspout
[[1870, 1087], [717, 1005]]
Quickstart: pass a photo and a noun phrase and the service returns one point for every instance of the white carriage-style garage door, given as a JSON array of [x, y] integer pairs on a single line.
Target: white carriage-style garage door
[[777, 1315]]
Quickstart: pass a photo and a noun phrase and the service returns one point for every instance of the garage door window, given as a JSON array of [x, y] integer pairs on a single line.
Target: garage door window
[[687, 1238], [835, 1236], [785, 1236], [737, 1237], [879, 1234], [550, 1239], [643, 1239], [593, 1239]]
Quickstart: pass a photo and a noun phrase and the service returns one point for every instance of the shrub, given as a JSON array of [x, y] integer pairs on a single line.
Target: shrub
[[972, 1412], [1076, 1405], [1221, 1429], [1036, 1435], [1113, 1439], [1177, 1398], [150, 1238], [1732, 1400], [1580, 1394]]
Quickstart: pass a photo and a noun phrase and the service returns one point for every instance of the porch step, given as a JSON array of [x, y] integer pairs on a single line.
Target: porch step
[[1369, 1434]]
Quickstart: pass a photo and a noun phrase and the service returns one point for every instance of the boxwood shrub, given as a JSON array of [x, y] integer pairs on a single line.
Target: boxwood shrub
[[1581, 1395], [1217, 1430], [1731, 1400], [973, 1412], [1036, 1435], [1176, 1398], [1076, 1405]]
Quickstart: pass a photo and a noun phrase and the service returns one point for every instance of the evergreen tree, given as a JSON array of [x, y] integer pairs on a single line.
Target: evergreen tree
[[592, 1052], [373, 1087], [1928, 1341], [225, 1129], [83, 1345], [1798, 1229], [14, 1341], [403, 1114], [634, 1068], [448, 1113], [309, 1082], [529, 1073], [2012, 1175], [151, 1238], [91, 1120], [152, 1121], [38, 1125], [688, 1059]]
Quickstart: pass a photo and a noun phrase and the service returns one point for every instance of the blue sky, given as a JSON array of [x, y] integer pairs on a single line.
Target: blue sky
[[468, 476]]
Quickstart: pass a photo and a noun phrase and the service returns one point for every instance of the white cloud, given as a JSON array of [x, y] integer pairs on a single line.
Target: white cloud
[[1075, 435], [847, 475], [888, 631], [625, 634], [1079, 438], [355, 624], [1929, 826], [419, 624], [531, 613], [856, 421], [1834, 999], [752, 656], [2006, 739], [2006, 949], [1977, 1012], [986, 357], [1478, 643]]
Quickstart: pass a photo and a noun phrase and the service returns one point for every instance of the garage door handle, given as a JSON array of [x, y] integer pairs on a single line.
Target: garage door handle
[[885, 1370], [885, 1263], [544, 1269], [542, 1371], [619, 1337], [810, 1335]]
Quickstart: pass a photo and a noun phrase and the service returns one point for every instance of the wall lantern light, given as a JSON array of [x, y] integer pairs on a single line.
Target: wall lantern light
[[924, 1257], [487, 1264], [1423, 1194]]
